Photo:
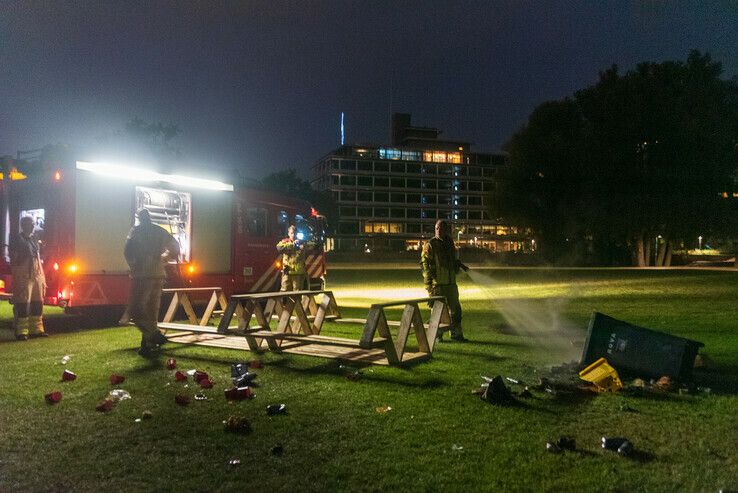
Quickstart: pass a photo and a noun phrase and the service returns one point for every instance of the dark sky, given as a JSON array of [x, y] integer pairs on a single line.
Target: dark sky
[[261, 85]]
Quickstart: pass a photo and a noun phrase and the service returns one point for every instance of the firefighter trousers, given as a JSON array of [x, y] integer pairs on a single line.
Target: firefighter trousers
[[451, 292], [28, 302], [143, 307], [292, 282]]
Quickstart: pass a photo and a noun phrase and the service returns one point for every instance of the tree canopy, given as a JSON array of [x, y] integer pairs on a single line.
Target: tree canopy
[[640, 158]]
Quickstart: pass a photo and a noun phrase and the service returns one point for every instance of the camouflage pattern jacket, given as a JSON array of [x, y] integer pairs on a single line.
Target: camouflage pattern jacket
[[439, 263]]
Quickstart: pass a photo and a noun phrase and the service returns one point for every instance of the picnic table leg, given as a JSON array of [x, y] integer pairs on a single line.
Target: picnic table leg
[[172, 308], [209, 309], [225, 321]]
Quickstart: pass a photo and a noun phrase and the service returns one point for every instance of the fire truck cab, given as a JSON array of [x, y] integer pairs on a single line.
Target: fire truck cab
[[84, 210]]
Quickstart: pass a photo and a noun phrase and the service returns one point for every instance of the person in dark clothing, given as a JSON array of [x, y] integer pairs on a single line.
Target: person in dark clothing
[[440, 266], [29, 282], [148, 248]]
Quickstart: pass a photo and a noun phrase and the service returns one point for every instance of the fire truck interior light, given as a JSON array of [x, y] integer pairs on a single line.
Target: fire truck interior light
[[138, 174]]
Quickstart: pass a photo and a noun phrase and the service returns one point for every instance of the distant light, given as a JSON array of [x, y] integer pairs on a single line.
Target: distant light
[[300, 235], [139, 174], [57, 176]]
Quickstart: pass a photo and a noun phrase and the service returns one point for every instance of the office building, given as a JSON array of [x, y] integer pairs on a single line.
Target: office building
[[390, 196]]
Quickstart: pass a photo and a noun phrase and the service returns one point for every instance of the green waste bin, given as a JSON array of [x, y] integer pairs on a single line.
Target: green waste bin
[[637, 350]]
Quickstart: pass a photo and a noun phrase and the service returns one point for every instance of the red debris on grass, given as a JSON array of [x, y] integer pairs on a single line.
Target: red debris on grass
[[238, 393], [206, 383], [105, 406], [53, 397], [199, 375], [180, 377], [116, 379], [171, 364], [68, 376]]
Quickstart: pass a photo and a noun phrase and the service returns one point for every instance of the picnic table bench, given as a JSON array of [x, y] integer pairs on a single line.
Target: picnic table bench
[[300, 316]]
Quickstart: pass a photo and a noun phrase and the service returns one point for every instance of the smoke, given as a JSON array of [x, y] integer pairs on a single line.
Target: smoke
[[539, 321]]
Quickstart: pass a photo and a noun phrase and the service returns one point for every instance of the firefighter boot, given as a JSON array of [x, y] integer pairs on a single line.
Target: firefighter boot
[[36, 326], [21, 328]]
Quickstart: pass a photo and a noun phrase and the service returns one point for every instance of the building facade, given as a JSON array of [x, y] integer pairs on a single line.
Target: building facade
[[390, 197]]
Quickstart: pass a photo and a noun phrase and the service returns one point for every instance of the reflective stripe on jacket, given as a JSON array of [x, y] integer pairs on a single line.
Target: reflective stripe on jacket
[[293, 258]]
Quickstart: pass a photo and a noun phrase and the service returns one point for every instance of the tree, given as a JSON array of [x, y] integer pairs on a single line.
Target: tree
[[287, 182], [635, 160]]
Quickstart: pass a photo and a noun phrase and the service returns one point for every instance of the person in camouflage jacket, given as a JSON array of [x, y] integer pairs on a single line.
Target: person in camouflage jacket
[[440, 266]]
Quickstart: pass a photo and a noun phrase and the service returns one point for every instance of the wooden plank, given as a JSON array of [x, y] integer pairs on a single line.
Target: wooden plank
[[420, 331], [407, 302], [189, 290], [228, 312], [301, 323], [184, 300], [405, 323], [209, 308], [169, 315], [284, 319]]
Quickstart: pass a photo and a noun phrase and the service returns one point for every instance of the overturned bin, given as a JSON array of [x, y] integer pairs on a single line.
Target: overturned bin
[[633, 349]]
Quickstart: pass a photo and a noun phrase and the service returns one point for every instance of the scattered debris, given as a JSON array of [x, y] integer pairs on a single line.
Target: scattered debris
[[664, 383], [200, 397], [497, 392], [457, 448], [118, 395], [525, 393], [567, 443], [602, 375], [277, 450], [171, 364], [147, 414], [180, 377], [206, 383], [116, 379], [238, 393], [639, 383], [552, 447], [105, 406], [68, 376], [53, 397], [621, 445], [514, 381], [237, 424], [198, 376], [182, 399], [65, 359], [240, 374], [274, 409], [137, 420], [383, 409], [256, 364], [234, 462]]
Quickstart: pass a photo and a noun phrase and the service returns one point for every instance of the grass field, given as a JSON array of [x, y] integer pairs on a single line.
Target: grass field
[[437, 436]]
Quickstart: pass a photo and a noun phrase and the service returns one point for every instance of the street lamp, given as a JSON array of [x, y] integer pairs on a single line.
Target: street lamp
[[699, 243]]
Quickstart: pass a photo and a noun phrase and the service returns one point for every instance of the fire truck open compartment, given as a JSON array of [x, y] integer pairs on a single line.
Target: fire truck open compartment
[[104, 213]]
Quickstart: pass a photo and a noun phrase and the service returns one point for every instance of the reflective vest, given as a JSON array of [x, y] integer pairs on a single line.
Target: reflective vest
[[293, 258]]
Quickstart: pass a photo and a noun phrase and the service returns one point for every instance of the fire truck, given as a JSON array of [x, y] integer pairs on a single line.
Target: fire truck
[[83, 211]]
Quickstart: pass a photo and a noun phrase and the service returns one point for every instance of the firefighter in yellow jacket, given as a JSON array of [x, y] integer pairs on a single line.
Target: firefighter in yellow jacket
[[440, 266], [294, 271], [29, 283]]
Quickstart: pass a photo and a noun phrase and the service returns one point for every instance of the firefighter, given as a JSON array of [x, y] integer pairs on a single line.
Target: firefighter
[[147, 251], [293, 261], [440, 266], [29, 282]]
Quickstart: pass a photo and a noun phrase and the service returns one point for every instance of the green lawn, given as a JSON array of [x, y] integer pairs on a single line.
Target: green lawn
[[436, 437]]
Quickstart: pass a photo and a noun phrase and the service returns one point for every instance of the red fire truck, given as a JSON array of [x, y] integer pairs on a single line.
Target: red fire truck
[[84, 210]]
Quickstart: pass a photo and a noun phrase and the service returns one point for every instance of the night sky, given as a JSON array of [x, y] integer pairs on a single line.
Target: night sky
[[261, 85]]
